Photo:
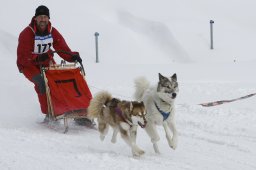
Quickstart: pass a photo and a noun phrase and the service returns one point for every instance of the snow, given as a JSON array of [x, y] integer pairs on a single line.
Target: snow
[[139, 38]]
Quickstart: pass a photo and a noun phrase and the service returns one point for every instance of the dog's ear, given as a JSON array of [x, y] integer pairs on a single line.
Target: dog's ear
[[131, 106], [174, 77], [161, 77]]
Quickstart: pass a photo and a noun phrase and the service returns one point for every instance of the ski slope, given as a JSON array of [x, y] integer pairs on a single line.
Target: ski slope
[[138, 38]]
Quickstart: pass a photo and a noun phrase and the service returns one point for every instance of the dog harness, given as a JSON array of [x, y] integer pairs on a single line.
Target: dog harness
[[123, 117], [164, 114], [120, 113]]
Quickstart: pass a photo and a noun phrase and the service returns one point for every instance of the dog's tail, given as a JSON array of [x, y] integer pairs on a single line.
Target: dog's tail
[[97, 103], [141, 84]]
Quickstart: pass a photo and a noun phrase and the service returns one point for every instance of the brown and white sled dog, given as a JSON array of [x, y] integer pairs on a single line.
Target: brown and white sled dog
[[122, 116], [159, 103]]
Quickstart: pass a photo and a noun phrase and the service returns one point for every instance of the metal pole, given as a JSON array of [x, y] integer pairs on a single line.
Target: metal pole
[[96, 44], [211, 29]]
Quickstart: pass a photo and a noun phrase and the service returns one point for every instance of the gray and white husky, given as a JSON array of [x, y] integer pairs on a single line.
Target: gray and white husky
[[159, 103]]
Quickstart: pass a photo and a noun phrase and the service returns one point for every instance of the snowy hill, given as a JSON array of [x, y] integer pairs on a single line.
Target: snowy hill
[[139, 38]]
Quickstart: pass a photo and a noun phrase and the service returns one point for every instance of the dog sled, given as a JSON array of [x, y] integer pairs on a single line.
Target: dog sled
[[68, 95]]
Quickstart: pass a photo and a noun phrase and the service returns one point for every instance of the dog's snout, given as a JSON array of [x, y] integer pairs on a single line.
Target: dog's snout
[[174, 95]]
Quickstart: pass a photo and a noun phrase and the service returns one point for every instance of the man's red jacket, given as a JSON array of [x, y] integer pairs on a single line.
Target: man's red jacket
[[25, 56]]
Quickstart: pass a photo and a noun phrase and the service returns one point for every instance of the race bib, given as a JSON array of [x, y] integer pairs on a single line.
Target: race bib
[[42, 44]]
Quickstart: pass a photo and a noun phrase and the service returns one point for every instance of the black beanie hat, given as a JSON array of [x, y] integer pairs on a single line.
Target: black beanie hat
[[42, 10]]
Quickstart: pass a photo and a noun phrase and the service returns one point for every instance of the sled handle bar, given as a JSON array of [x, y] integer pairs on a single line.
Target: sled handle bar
[[69, 53]]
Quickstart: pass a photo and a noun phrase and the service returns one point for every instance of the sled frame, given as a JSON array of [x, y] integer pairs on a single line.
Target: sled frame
[[64, 116]]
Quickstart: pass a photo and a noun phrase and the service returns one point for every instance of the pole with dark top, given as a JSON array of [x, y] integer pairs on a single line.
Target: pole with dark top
[[211, 29], [96, 44]]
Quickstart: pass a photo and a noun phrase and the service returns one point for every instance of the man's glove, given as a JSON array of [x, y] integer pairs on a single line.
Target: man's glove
[[76, 57], [42, 57]]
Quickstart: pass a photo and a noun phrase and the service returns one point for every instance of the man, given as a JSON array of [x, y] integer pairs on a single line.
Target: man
[[34, 49]]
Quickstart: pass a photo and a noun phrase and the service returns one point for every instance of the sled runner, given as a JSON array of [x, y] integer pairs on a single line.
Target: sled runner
[[68, 95]]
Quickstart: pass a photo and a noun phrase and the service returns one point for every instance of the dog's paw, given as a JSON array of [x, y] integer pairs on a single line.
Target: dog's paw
[[137, 152], [156, 148], [141, 152], [173, 146], [113, 140], [173, 143], [102, 137]]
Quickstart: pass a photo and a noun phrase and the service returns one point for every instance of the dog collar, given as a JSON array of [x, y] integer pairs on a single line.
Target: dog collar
[[164, 114]]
